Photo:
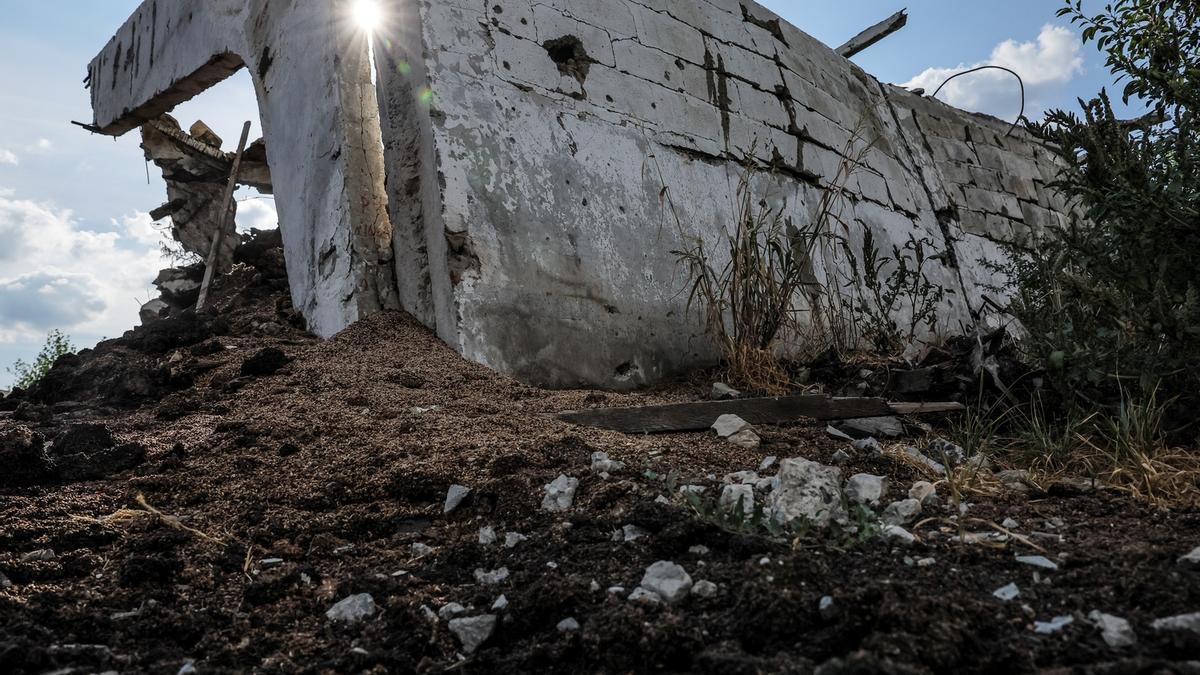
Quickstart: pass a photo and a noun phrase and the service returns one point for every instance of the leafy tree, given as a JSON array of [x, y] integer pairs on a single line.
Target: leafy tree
[[1111, 300], [28, 374]]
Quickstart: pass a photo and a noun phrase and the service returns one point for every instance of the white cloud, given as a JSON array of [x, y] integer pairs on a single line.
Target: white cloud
[[55, 273], [7, 157], [42, 146], [258, 213], [1046, 66]]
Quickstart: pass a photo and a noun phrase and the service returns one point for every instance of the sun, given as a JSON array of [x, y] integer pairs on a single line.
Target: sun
[[367, 14]]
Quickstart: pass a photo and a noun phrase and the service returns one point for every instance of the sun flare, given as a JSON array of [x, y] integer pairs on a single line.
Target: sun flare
[[368, 15]]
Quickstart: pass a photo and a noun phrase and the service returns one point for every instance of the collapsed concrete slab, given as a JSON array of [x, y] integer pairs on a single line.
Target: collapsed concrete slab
[[521, 172]]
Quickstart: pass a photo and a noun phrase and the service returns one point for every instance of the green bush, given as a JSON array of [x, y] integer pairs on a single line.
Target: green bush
[[1111, 300], [28, 374]]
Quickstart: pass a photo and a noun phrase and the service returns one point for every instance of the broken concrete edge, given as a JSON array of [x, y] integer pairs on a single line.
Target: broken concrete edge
[[475, 111]]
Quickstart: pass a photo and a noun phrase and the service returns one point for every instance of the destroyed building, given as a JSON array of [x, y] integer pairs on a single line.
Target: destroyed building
[[516, 175]]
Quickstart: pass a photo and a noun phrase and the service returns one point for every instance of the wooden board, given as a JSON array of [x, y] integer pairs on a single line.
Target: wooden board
[[700, 416]]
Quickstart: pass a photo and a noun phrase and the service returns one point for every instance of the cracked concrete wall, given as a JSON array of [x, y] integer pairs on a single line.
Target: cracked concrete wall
[[530, 142], [311, 72]]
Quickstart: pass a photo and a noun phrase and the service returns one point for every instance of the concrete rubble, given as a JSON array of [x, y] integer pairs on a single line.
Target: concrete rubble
[[807, 491], [473, 631], [381, 208], [352, 609]]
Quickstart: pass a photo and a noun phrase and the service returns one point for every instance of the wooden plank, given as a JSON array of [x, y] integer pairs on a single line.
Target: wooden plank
[[925, 408], [700, 416], [215, 251], [874, 34]]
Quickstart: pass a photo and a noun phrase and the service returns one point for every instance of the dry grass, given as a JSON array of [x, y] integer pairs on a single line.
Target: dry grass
[[127, 515]]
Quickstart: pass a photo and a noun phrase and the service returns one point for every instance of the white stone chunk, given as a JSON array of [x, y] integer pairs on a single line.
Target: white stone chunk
[[866, 489], [454, 497], [1115, 631], [670, 581], [728, 425], [1006, 593], [352, 609], [473, 631], [560, 494], [807, 490], [1038, 561]]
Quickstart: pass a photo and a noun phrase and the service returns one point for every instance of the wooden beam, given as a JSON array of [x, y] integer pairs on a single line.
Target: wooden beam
[[215, 251], [874, 34], [700, 416]]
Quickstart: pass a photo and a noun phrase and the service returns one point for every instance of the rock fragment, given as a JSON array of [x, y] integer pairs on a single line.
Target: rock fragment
[[897, 535], [511, 539], [487, 535], [1007, 593], [567, 625], [1038, 561], [454, 497], [1052, 626], [866, 489], [920, 457], [704, 589], [647, 596], [40, 555], [807, 490], [1181, 622], [473, 631], [868, 445], [352, 609], [901, 512], [601, 463], [491, 578], [560, 494], [668, 580], [735, 498], [924, 492], [451, 610], [728, 425], [747, 439], [768, 462], [1115, 631], [723, 392]]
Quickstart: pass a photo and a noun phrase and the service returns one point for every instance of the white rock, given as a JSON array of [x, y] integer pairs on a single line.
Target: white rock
[[902, 512], [841, 457], [511, 539], [5, 583], [695, 490], [450, 610], [1115, 631], [746, 439], [616, 590], [632, 533], [352, 609], [769, 462], [825, 606], [594, 586], [419, 549], [869, 446], [704, 589], [878, 427], [670, 581], [568, 625], [1192, 558], [1038, 561], [807, 490], [500, 603], [602, 464], [897, 535], [948, 453], [698, 549], [1052, 626], [916, 454], [473, 631], [926, 562], [1016, 480], [491, 578], [1188, 622], [640, 594], [840, 435], [188, 668], [864, 488], [924, 492], [1006, 593], [728, 425], [560, 494], [735, 497], [487, 535], [454, 497], [40, 555], [661, 500], [723, 392], [1009, 524], [740, 477]]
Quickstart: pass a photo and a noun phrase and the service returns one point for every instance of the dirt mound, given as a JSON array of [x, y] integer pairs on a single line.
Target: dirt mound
[[267, 497]]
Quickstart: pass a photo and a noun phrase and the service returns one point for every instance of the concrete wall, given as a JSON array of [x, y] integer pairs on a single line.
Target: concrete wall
[[311, 73], [544, 158], [533, 227]]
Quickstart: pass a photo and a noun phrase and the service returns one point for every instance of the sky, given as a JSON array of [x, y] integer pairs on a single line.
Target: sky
[[78, 251]]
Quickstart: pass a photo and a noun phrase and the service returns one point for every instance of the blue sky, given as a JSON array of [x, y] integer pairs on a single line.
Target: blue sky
[[78, 252]]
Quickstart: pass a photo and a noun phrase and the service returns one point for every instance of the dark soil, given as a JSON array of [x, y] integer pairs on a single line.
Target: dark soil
[[283, 490]]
